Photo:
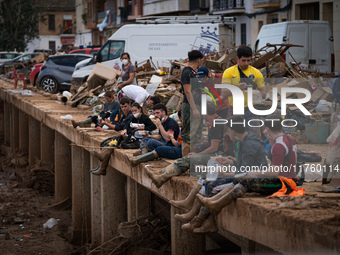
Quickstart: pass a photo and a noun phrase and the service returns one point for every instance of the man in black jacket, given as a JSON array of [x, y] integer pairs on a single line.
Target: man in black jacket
[[125, 117]]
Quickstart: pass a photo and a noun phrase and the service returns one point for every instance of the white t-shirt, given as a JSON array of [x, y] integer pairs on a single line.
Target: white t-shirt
[[135, 93]]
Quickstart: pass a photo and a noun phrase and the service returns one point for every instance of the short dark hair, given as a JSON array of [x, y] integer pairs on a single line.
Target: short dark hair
[[194, 55], [238, 127], [161, 107], [179, 114], [155, 100], [108, 94], [124, 100], [211, 108], [274, 126], [244, 51]]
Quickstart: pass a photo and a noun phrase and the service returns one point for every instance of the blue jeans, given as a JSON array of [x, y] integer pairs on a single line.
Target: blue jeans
[[170, 152], [209, 186], [151, 144]]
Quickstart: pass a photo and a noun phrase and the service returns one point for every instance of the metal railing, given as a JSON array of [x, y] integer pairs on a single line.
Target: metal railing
[[222, 5]]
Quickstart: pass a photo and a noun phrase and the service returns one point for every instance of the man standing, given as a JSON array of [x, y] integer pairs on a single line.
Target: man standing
[[190, 108], [243, 75]]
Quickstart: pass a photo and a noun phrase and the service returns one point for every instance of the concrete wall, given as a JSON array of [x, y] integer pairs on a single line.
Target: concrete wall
[[152, 7]]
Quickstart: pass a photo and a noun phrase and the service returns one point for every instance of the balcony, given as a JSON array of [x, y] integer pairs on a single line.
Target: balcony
[[228, 6], [266, 4]]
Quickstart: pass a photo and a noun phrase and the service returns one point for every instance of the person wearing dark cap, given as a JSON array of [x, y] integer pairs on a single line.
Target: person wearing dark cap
[[192, 120], [215, 78]]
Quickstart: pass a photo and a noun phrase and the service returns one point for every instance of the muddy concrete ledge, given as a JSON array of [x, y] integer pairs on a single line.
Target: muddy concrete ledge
[[306, 225]]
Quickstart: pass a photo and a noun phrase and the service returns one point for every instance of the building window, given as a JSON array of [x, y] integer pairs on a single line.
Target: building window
[[67, 24], [244, 34], [220, 5], [260, 24], [275, 20], [51, 22]]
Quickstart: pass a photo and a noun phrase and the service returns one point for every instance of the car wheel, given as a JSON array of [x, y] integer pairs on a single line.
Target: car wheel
[[49, 84]]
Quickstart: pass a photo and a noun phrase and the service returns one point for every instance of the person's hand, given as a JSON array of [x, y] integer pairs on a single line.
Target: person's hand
[[191, 154], [196, 113], [158, 122], [242, 85], [224, 161], [139, 128], [123, 132], [171, 135]]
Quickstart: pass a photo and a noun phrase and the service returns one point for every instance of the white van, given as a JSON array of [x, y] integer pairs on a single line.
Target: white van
[[163, 42], [314, 35]]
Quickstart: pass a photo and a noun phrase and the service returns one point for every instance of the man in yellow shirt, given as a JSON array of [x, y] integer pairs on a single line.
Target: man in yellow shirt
[[250, 77]]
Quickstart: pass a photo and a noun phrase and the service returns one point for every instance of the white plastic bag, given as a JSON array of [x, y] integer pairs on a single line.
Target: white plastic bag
[[50, 223]]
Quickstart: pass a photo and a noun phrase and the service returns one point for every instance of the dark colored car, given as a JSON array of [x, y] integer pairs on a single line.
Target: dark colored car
[[57, 71]]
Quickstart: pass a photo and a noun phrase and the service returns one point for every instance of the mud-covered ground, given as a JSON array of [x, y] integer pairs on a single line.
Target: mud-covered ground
[[24, 210]]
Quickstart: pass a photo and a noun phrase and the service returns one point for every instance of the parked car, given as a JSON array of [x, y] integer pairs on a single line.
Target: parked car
[[56, 72], [85, 51], [34, 73], [22, 58], [6, 56]]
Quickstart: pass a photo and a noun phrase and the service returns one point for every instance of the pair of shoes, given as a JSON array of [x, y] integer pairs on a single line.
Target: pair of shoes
[[225, 197], [162, 176]]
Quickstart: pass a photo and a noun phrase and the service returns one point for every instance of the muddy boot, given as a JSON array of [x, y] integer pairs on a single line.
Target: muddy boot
[[187, 203], [96, 169], [144, 158], [103, 154], [102, 168], [185, 148], [79, 123], [137, 153], [203, 200], [186, 217], [160, 177], [195, 223], [208, 226], [216, 206]]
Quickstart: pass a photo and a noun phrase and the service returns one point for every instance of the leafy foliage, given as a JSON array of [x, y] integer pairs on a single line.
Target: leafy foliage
[[19, 23]]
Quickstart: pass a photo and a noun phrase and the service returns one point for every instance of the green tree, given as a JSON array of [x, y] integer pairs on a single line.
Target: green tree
[[19, 23]]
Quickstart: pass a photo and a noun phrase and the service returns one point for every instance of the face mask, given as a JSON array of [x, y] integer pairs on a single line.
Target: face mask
[[146, 102], [125, 62], [136, 115]]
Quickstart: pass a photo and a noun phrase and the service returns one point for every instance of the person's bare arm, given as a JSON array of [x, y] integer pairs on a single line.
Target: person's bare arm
[[187, 91], [129, 81], [263, 91]]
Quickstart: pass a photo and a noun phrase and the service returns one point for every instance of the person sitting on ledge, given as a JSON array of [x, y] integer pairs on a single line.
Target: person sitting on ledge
[[167, 126], [204, 150], [271, 181], [104, 154], [122, 117], [138, 118], [110, 105], [164, 151]]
